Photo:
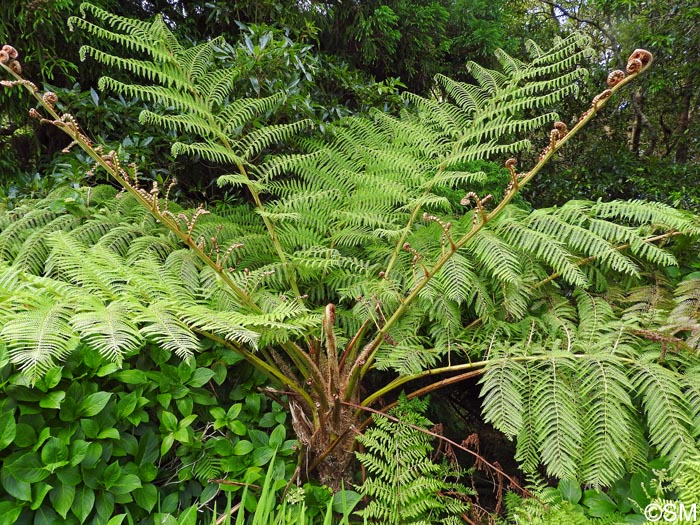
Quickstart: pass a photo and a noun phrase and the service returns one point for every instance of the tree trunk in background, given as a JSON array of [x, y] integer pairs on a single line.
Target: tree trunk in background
[[641, 121], [683, 123]]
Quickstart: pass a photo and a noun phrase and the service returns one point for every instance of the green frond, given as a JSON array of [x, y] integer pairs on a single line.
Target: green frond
[[406, 486], [495, 257], [510, 64], [552, 251], [502, 404], [527, 443], [472, 152], [470, 98], [256, 141], [16, 232], [109, 329], [237, 113], [129, 25], [490, 80], [455, 178], [685, 316], [667, 411], [609, 415], [35, 249], [197, 60], [185, 123], [70, 261], [149, 71], [230, 326], [39, 337], [182, 101], [167, 330], [653, 213], [581, 240], [557, 420], [208, 151], [594, 315]]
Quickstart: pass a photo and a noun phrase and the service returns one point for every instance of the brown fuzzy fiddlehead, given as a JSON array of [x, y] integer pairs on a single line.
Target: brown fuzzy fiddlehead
[[639, 60], [615, 77]]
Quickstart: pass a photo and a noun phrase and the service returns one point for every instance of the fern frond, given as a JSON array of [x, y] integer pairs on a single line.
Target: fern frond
[[502, 403], [667, 411], [609, 416], [557, 421], [108, 328], [167, 330], [39, 337], [208, 151]]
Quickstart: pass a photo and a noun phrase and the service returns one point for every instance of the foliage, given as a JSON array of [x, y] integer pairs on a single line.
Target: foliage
[[624, 503], [327, 273], [642, 147], [404, 485], [90, 441]]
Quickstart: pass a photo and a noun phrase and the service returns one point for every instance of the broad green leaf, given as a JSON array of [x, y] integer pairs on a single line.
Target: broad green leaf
[[344, 501], [599, 504], [187, 421], [132, 377], [92, 456], [104, 506], [83, 503], [238, 428], [259, 438], [570, 490], [263, 455], [62, 497], [126, 405], [52, 377], [9, 512], [91, 428], [94, 403], [278, 436], [200, 377], [126, 484], [8, 428], [53, 399], [146, 497], [111, 475], [189, 516], [26, 467], [109, 433], [69, 476], [54, 454], [39, 492], [45, 515], [116, 520], [78, 450], [16, 488], [243, 447], [166, 444], [169, 421]]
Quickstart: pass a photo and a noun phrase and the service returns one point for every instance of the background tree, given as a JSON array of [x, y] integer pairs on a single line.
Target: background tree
[[646, 147]]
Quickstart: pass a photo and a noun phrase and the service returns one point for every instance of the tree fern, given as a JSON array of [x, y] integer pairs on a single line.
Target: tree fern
[[349, 256]]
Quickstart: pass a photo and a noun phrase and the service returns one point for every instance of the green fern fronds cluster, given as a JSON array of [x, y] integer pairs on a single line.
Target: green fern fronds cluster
[[111, 278], [572, 378], [404, 484]]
